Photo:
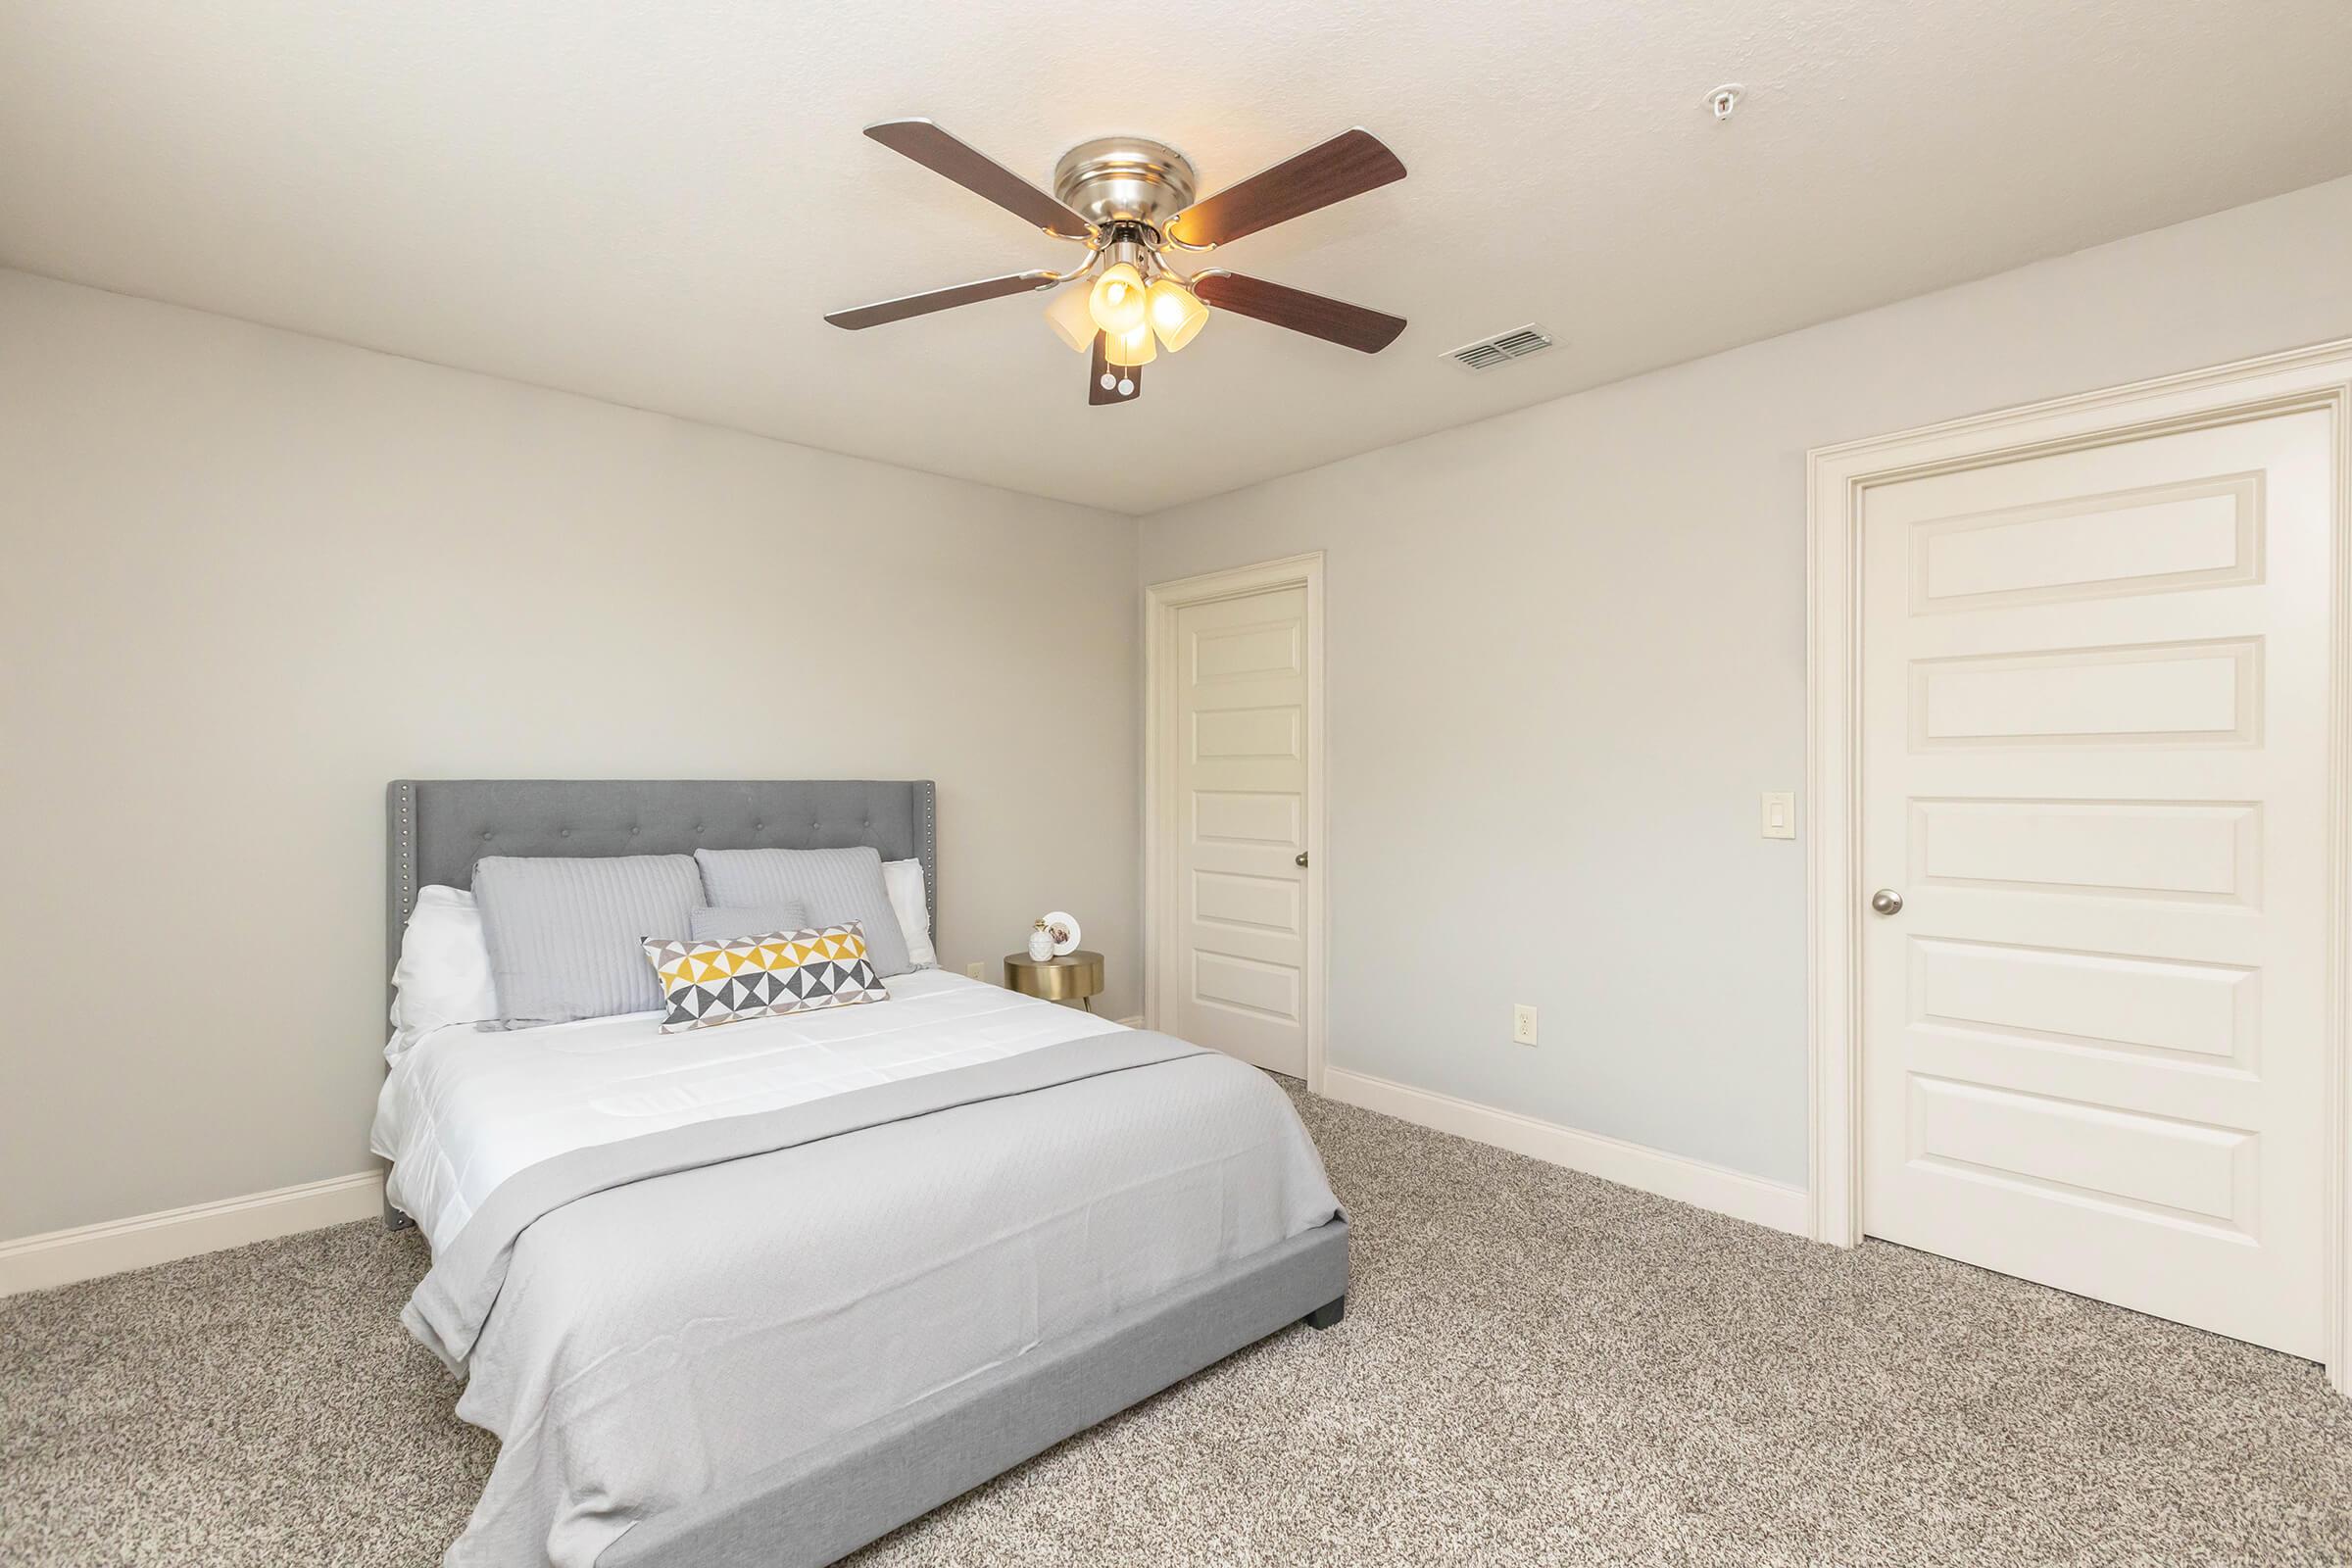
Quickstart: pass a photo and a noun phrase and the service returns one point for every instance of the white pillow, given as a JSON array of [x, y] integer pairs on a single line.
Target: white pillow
[[443, 976], [905, 881]]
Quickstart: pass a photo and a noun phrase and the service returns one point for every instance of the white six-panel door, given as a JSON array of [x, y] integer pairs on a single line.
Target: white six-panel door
[[2094, 717], [1233, 965]]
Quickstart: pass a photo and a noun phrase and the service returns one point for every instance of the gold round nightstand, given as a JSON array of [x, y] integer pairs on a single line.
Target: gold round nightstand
[[1073, 977]]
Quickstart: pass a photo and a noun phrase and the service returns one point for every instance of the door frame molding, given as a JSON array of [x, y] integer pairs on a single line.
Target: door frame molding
[[1837, 478], [1162, 600]]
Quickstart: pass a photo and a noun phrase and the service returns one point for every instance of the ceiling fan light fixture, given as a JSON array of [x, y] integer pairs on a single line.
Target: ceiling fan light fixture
[[1129, 198], [1177, 314], [1072, 318], [1117, 299], [1130, 347]]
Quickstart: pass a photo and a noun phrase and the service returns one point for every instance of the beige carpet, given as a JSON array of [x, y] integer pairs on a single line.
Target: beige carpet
[[1537, 1367]]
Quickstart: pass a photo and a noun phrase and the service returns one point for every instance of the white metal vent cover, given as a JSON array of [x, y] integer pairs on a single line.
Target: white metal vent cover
[[1502, 348]]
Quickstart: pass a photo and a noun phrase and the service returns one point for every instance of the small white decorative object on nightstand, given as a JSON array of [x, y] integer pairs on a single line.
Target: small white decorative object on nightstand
[[1062, 926], [1041, 943]]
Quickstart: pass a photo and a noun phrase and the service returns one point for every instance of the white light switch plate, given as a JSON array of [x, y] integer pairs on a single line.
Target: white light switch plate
[[971, 971], [1780, 815]]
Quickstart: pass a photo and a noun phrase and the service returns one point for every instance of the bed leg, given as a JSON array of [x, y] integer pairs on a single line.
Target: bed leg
[[1329, 1313], [395, 1221]]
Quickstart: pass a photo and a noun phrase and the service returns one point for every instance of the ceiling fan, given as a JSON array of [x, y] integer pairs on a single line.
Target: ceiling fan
[[1129, 201]]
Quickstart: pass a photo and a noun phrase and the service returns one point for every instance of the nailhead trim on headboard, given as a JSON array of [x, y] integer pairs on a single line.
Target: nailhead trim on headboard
[[400, 892], [407, 851]]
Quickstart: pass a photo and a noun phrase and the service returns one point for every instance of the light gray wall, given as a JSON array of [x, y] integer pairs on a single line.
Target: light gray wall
[[249, 576], [1567, 651]]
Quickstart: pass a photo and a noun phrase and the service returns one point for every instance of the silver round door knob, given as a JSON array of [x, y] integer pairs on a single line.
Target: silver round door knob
[[1886, 901]]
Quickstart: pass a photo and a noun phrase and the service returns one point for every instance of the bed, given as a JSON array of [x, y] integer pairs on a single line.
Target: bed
[[759, 1293]]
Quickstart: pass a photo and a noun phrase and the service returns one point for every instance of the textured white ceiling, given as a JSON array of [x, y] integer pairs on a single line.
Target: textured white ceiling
[[654, 202]]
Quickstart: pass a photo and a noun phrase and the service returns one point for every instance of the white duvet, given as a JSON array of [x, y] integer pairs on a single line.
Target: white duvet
[[464, 1109]]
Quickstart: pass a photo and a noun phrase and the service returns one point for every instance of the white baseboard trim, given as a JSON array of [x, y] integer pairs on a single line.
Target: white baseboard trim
[[1136, 1022], [86, 1252], [1652, 1170], [111, 1247]]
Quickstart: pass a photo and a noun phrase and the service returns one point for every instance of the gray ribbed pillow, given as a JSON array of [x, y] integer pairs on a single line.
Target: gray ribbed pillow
[[836, 886], [566, 937], [715, 924]]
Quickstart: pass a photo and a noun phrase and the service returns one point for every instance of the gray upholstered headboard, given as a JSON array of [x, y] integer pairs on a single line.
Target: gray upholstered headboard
[[439, 827]]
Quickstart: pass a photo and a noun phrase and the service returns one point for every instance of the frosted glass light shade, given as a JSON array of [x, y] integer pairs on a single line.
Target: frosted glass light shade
[[1177, 315], [1130, 347], [1117, 299], [1071, 319]]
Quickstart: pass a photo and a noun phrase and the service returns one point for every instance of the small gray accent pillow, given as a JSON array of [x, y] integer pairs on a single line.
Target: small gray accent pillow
[[712, 923], [566, 937], [835, 886]]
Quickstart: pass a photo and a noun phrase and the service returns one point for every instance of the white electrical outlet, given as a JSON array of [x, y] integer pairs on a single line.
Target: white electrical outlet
[[971, 971], [1522, 1025], [1780, 815]]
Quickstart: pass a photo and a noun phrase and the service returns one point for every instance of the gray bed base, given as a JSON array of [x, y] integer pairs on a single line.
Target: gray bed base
[[826, 1503], [822, 1506]]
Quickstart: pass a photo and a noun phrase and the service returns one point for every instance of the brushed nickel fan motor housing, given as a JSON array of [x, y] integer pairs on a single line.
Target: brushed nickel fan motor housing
[[1125, 179]]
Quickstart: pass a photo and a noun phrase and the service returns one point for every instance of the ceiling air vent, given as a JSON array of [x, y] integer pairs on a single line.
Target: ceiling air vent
[[1504, 347]]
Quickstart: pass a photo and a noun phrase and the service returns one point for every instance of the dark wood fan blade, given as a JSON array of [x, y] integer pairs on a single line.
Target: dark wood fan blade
[[940, 299], [1348, 165], [1132, 375], [977, 173], [1317, 316]]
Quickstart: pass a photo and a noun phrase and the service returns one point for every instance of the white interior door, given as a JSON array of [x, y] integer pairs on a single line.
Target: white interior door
[[1233, 927], [2095, 771]]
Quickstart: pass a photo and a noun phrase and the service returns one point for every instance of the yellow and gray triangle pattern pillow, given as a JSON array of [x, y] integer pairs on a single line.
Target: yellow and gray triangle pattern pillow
[[706, 983]]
